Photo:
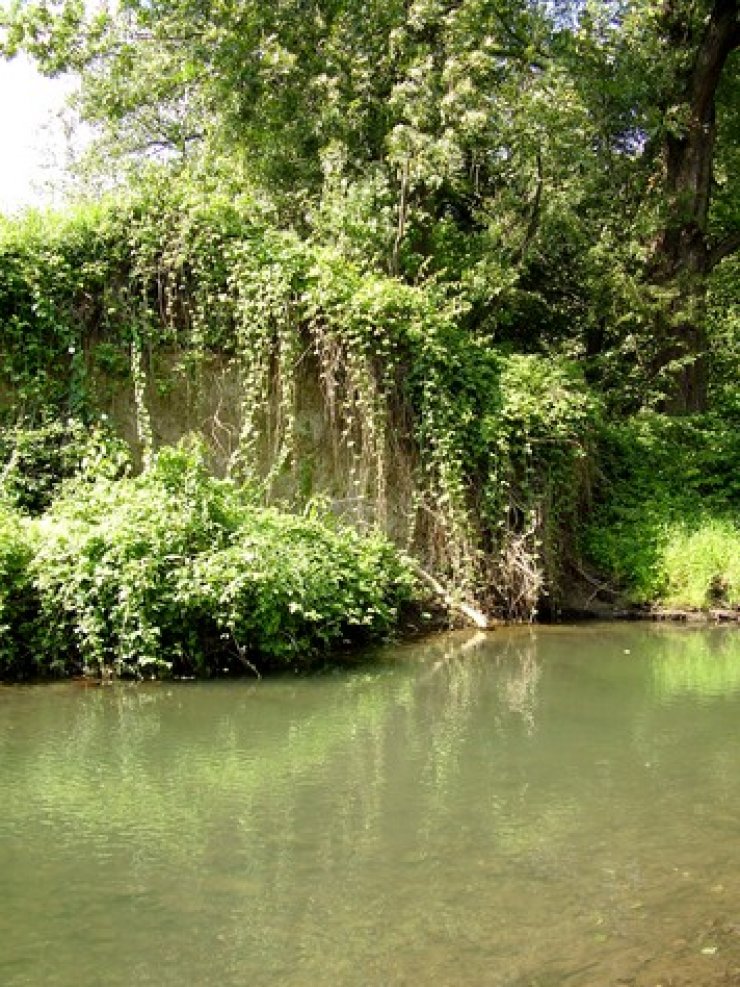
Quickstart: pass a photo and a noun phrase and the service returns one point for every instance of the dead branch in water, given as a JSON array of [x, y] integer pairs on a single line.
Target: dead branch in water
[[474, 615]]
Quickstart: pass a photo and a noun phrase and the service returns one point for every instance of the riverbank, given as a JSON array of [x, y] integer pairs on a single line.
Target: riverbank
[[657, 614], [172, 571], [593, 599]]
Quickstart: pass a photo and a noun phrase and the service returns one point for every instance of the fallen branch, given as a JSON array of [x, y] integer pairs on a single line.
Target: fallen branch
[[242, 656], [472, 613]]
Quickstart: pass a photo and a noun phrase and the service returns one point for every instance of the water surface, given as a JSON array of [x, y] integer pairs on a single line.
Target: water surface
[[530, 808]]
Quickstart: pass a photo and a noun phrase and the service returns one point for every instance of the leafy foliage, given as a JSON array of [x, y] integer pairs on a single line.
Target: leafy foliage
[[19, 638], [176, 572], [34, 462], [56, 278], [666, 525]]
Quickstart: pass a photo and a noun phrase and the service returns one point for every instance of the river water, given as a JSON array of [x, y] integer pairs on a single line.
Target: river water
[[531, 808]]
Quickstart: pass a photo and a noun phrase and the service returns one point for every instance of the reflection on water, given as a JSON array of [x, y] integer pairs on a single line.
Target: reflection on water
[[699, 664], [531, 807]]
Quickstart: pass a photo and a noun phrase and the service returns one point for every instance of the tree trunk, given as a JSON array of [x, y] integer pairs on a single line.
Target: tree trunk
[[683, 254]]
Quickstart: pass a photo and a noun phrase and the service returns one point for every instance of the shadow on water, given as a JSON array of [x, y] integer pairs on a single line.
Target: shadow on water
[[537, 806]]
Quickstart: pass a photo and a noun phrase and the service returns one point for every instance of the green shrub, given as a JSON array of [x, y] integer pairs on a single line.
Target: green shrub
[[35, 461], [19, 605], [175, 571], [290, 586], [665, 525], [702, 564]]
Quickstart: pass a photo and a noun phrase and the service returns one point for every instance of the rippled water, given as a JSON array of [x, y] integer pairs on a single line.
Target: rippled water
[[535, 807]]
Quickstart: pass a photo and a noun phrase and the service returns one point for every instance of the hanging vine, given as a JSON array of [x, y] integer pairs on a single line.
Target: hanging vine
[[471, 457]]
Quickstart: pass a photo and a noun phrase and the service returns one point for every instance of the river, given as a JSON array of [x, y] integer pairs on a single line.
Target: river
[[529, 808]]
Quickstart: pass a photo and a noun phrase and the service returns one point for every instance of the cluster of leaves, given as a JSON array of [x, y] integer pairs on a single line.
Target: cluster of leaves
[[59, 275], [175, 572], [19, 602], [79, 289], [665, 524], [35, 461]]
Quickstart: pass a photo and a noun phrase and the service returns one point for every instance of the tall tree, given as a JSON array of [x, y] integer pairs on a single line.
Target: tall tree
[[699, 38]]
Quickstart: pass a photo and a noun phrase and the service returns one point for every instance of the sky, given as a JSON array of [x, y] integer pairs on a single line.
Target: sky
[[32, 145]]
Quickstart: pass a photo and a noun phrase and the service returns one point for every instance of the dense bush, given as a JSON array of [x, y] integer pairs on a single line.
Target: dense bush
[[36, 460], [19, 630], [176, 572], [702, 563], [665, 527]]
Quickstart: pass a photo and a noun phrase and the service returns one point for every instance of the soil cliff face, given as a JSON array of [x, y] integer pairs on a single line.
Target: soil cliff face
[[179, 397]]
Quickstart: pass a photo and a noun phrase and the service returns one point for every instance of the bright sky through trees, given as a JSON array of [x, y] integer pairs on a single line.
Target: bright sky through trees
[[33, 135]]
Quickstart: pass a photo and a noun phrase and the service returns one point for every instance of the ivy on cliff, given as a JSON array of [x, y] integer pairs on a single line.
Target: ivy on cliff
[[493, 442]]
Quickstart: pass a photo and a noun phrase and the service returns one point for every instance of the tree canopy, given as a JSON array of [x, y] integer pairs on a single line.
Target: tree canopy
[[577, 156]]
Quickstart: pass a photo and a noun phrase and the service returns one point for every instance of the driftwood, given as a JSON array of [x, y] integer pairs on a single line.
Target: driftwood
[[472, 613]]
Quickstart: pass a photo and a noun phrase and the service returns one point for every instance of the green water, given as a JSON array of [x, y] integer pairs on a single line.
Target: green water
[[536, 807]]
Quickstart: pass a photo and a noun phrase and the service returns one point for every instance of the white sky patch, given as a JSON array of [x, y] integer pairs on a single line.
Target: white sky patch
[[33, 145]]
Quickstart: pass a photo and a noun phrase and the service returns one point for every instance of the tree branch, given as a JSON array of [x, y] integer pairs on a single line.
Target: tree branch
[[721, 37], [472, 613], [723, 248], [534, 215]]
